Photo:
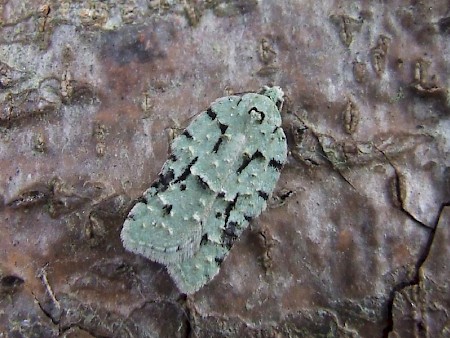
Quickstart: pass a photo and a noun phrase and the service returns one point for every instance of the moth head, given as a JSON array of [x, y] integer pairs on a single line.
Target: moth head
[[274, 93]]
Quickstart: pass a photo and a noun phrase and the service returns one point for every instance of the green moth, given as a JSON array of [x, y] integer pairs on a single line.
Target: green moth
[[221, 172]]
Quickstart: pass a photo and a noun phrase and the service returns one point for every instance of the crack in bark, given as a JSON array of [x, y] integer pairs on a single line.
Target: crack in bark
[[56, 320], [399, 194], [46, 313], [414, 281], [402, 202], [330, 162], [59, 321], [42, 275], [188, 310], [61, 330], [79, 327], [345, 327], [182, 302]]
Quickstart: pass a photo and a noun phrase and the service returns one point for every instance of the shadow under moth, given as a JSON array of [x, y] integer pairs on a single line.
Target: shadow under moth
[[219, 176]]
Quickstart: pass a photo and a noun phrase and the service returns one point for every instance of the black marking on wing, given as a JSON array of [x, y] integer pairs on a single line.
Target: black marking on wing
[[166, 178], [282, 134], [167, 208], [204, 239], [263, 194], [279, 104], [223, 128], [186, 171], [203, 183], [211, 114], [163, 181], [246, 160], [230, 234], [217, 145], [142, 199], [257, 154], [132, 217], [230, 207], [262, 116], [275, 164], [187, 134]]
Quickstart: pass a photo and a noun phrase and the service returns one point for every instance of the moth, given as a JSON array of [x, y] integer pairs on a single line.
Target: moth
[[219, 176]]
